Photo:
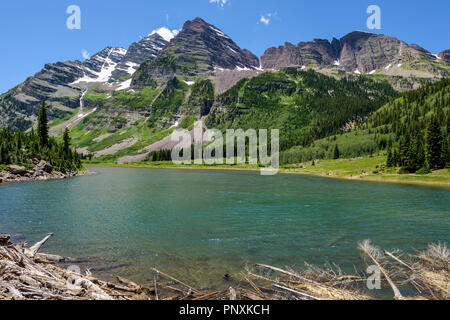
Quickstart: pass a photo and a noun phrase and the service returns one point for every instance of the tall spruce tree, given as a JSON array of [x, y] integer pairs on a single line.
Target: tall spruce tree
[[66, 141], [433, 144], [396, 158], [43, 126], [445, 153], [390, 159], [336, 153]]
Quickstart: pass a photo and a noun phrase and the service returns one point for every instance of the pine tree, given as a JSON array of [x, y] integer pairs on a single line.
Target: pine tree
[[390, 159], [403, 150], [66, 140], [412, 162], [445, 153], [43, 126], [396, 158], [433, 144], [336, 153]]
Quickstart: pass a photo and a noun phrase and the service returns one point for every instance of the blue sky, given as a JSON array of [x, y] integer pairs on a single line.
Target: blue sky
[[34, 32]]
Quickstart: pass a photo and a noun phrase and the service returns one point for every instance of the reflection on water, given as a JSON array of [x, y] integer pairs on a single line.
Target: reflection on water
[[199, 225]]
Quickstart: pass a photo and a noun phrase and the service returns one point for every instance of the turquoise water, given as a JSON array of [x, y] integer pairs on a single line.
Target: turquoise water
[[199, 225]]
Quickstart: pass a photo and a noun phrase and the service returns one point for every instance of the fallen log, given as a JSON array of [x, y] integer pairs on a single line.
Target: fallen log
[[31, 252]]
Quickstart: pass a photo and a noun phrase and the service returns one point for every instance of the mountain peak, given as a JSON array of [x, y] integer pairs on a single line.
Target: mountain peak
[[198, 49]]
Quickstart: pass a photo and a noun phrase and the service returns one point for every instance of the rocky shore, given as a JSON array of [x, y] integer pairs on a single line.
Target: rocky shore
[[42, 171]]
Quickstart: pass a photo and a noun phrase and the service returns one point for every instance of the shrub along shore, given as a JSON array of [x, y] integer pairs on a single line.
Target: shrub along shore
[[27, 274]]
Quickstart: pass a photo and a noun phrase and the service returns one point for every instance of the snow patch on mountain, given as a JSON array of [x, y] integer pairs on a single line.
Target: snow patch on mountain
[[105, 73], [165, 33], [219, 33], [124, 85], [189, 83], [132, 67], [242, 69]]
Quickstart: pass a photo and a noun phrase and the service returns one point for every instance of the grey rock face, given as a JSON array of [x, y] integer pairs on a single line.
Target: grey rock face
[[318, 51], [358, 51], [445, 55], [366, 52], [139, 52], [198, 49]]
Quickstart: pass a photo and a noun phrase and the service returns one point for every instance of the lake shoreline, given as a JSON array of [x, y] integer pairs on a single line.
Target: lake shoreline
[[391, 178], [7, 177]]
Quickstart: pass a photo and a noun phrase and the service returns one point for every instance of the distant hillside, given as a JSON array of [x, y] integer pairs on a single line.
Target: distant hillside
[[305, 106], [401, 128]]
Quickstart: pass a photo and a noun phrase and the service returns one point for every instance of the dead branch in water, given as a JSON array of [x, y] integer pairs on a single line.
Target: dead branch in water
[[374, 254]]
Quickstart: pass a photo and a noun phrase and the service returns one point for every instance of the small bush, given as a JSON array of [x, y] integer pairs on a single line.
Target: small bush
[[423, 171]]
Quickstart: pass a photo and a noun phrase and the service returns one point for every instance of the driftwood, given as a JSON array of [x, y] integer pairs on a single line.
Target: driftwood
[[372, 252], [27, 274], [31, 252]]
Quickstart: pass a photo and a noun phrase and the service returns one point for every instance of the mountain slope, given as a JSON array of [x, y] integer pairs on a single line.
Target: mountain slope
[[61, 84], [305, 106]]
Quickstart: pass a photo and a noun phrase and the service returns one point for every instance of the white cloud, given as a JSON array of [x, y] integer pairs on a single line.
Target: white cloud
[[221, 3], [85, 54], [266, 19]]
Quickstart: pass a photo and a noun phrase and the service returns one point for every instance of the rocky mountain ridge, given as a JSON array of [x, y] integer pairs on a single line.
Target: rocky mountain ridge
[[61, 84], [359, 52]]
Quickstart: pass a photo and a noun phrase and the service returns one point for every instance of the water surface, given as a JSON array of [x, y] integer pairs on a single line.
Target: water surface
[[200, 224]]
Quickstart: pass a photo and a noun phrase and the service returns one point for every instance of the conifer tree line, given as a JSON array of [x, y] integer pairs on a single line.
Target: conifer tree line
[[419, 126], [21, 148]]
